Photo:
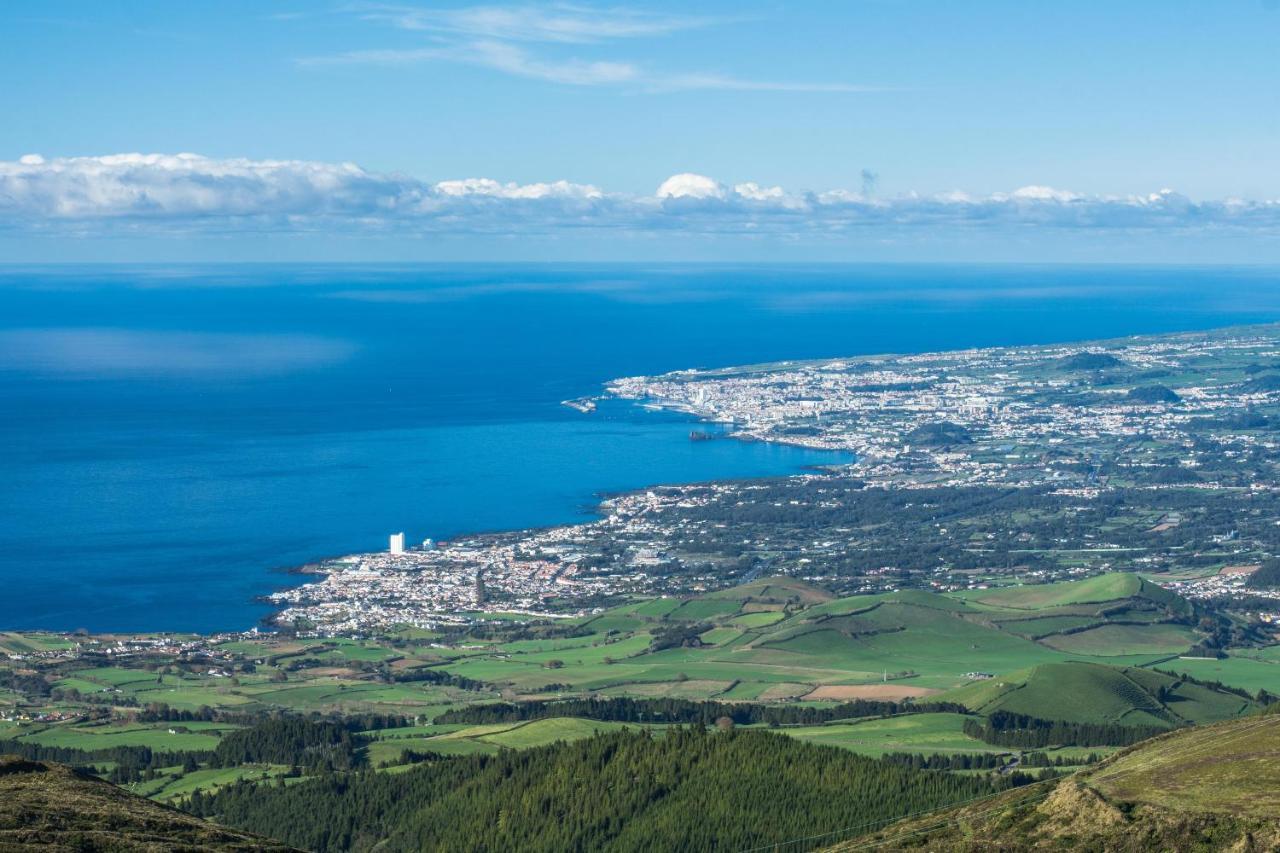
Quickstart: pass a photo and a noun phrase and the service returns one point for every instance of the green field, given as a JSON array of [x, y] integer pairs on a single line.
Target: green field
[[201, 736], [1115, 640], [917, 733], [1107, 587], [769, 641]]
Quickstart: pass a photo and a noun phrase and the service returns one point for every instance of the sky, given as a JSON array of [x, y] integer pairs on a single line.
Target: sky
[[854, 130]]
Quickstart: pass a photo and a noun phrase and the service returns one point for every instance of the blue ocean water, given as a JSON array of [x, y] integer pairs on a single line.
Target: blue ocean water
[[172, 437]]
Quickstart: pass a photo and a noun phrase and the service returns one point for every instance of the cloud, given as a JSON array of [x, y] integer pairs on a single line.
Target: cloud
[[499, 56], [124, 353], [561, 22], [688, 185], [530, 42], [155, 194]]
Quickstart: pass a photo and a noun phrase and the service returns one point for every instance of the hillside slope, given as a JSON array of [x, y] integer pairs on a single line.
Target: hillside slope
[[1078, 691], [623, 791], [1208, 788], [52, 807]]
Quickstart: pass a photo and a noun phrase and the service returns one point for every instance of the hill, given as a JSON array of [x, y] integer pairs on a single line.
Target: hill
[[625, 790], [1089, 361], [939, 434], [1265, 384], [1266, 577], [1080, 692], [54, 807], [1153, 394], [1206, 788]]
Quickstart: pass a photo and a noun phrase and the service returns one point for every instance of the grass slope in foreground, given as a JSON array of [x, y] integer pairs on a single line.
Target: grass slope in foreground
[[1208, 788], [52, 807]]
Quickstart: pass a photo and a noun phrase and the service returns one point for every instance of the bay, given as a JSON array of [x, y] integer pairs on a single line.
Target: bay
[[172, 437]]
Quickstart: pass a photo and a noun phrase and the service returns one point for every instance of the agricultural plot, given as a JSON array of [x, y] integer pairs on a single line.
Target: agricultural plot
[[1106, 587], [1116, 640], [1237, 670], [163, 737], [931, 639], [916, 733], [174, 785]]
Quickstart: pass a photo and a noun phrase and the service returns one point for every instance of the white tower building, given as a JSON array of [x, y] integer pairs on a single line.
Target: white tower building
[[397, 543]]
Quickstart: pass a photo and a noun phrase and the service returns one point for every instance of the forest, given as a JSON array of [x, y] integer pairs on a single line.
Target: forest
[[694, 788], [627, 710], [1019, 731]]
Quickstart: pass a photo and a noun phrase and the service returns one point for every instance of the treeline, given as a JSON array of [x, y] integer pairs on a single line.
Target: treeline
[[156, 712], [1266, 577], [315, 745], [626, 710], [129, 763], [1020, 731], [948, 761], [435, 676], [691, 789], [1040, 759]]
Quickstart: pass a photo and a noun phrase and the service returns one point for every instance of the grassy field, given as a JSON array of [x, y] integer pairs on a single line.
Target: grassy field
[[917, 733], [1239, 670], [174, 785], [772, 640], [1108, 587], [467, 740], [201, 736], [1115, 640]]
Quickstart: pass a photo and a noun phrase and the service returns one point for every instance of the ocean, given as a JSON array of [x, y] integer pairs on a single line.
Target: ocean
[[172, 439]]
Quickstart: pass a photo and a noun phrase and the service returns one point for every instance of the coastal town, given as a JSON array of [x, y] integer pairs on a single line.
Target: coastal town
[[1144, 444]]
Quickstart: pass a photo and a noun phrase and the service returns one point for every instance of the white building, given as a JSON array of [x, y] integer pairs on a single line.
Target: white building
[[397, 543]]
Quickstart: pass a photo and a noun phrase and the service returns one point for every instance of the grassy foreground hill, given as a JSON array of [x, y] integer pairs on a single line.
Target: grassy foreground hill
[[53, 807], [1206, 788]]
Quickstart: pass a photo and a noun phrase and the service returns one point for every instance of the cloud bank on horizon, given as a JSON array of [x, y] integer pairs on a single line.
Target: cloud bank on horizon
[[158, 194]]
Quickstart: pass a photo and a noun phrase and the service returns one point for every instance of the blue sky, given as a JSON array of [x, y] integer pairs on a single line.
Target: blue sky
[[847, 130]]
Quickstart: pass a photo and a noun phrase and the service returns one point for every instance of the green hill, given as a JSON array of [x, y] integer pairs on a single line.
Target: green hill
[[52, 807], [1113, 586], [1206, 788], [1089, 361], [1082, 692], [773, 590]]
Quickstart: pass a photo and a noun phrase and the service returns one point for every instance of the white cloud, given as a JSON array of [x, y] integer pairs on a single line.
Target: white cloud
[[507, 58], [561, 22], [1040, 193], [154, 194], [689, 185], [753, 191], [489, 187], [530, 41]]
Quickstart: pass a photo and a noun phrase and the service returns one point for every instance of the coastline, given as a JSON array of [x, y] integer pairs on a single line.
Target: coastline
[[324, 569], [930, 420]]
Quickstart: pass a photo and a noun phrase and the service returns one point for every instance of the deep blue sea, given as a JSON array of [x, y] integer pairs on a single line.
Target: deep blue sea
[[171, 438]]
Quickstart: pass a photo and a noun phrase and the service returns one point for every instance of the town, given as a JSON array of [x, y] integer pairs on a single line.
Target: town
[[1023, 464]]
